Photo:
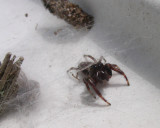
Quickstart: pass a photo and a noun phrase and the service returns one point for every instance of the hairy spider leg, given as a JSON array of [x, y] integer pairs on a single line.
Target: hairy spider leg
[[88, 88], [102, 58], [117, 69], [76, 77], [91, 57], [73, 68], [90, 81]]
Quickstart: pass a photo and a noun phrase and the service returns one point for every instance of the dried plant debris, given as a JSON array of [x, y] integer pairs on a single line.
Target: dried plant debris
[[9, 82], [70, 12], [26, 15], [9, 71]]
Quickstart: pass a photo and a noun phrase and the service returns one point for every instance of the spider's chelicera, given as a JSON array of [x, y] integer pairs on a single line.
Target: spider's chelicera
[[96, 72]]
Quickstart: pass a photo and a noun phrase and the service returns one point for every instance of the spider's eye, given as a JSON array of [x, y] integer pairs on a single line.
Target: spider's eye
[[99, 66]]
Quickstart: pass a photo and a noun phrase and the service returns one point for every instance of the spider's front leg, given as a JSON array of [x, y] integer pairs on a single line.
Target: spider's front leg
[[91, 81], [91, 57], [117, 69]]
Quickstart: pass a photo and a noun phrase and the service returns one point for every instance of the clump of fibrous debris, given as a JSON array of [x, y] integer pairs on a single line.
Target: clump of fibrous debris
[[10, 85], [70, 12]]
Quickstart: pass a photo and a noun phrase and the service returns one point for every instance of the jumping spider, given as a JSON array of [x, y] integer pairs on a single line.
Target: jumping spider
[[96, 72]]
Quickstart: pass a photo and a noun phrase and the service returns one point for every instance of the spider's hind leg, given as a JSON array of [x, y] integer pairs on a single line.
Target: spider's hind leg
[[76, 77], [73, 68]]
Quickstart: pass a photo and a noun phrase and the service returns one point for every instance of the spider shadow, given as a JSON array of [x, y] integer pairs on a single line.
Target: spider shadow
[[88, 100], [61, 34]]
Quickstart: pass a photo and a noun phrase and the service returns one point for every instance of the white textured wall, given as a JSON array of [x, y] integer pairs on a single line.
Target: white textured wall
[[131, 30], [65, 102]]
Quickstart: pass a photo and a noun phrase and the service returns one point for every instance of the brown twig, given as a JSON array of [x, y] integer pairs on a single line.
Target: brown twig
[[9, 72]]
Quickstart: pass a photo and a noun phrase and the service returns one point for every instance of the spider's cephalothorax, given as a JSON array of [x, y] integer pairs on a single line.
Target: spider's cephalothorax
[[96, 72], [99, 71]]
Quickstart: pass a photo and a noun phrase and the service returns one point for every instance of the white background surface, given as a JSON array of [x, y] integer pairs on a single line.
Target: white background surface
[[65, 102]]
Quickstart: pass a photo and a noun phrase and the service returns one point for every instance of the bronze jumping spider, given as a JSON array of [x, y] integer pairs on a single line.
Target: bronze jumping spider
[[96, 72]]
